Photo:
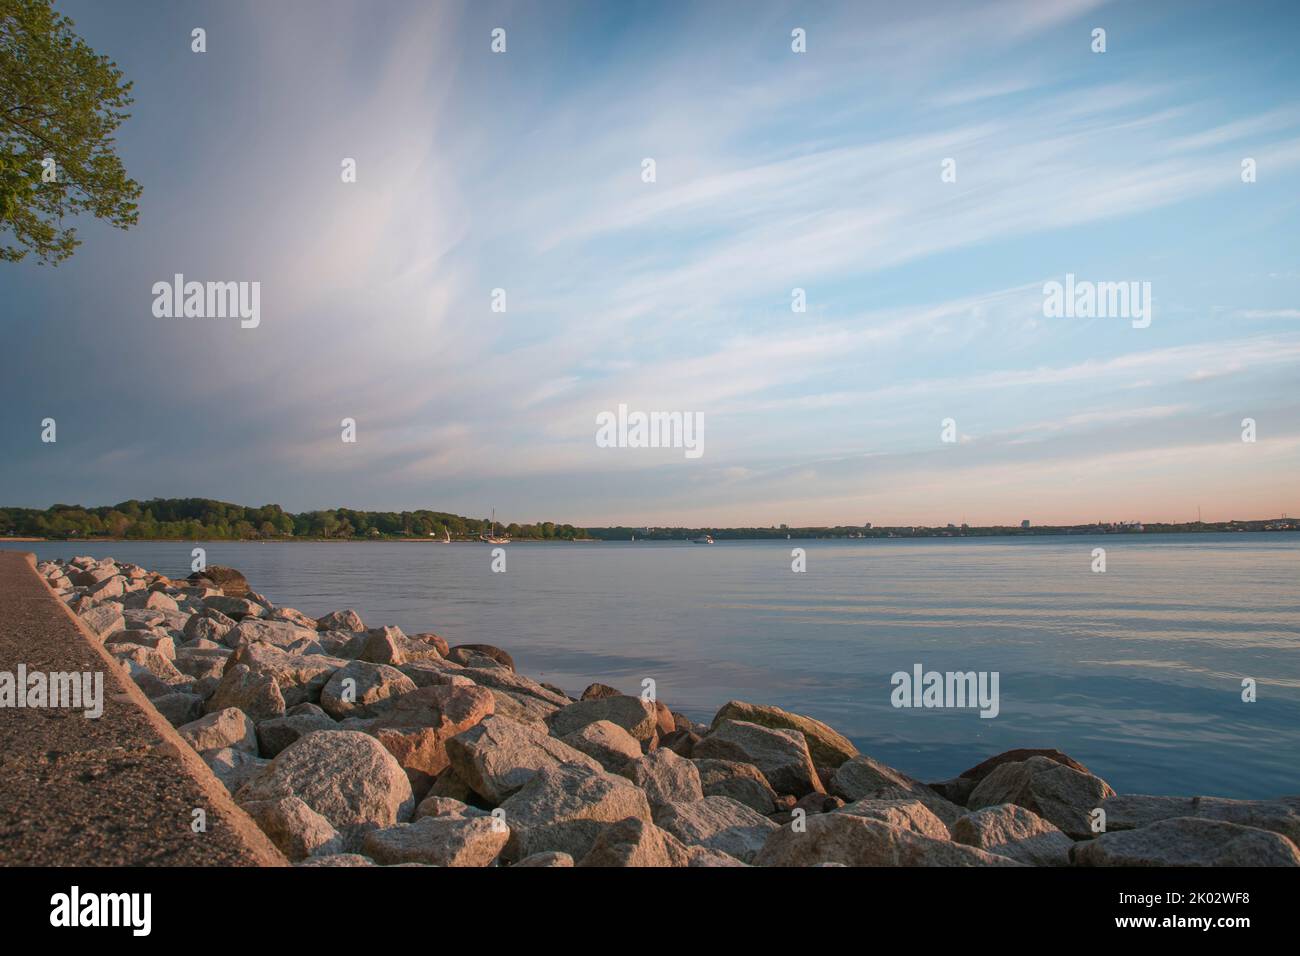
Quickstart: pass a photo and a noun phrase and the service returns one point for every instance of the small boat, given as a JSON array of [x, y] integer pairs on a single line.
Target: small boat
[[703, 539], [446, 535], [492, 537]]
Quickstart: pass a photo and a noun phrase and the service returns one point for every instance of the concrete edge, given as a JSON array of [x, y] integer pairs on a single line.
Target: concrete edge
[[173, 745]]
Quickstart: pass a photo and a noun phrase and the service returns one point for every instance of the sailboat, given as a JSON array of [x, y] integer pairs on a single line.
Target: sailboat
[[446, 535], [491, 537]]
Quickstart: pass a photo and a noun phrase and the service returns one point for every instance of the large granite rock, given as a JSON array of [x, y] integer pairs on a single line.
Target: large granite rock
[[1056, 792], [345, 776], [224, 728], [498, 756], [439, 841], [740, 781], [1130, 811], [853, 840], [718, 823], [633, 714], [828, 747], [563, 808], [1187, 841], [605, 742], [635, 842], [781, 754], [297, 829], [279, 732], [1012, 831], [361, 689], [665, 778], [910, 814], [256, 694], [863, 778]]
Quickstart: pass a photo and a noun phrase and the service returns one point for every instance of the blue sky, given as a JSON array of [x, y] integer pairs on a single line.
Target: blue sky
[[775, 170]]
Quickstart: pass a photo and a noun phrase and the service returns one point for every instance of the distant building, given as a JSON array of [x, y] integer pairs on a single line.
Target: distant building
[[1025, 523]]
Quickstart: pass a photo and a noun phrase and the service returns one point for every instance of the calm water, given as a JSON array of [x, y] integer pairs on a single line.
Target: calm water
[[1136, 672]]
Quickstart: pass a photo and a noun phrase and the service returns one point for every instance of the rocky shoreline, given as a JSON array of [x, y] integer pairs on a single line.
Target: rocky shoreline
[[354, 746]]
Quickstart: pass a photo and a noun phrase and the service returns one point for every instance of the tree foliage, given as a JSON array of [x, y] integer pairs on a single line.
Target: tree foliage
[[203, 518], [59, 100]]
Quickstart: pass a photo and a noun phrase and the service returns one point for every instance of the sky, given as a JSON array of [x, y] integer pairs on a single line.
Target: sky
[[774, 171]]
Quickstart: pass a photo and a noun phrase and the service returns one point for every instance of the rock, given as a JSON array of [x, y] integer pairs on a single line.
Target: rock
[[179, 707], [633, 714], [281, 634], [279, 732], [818, 803], [300, 677], [634, 842], [1060, 794], [484, 650], [665, 724], [384, 646], [227, 580], [827, 746], [294, 617], [433, 640], [360, 689], [983, 769], [909, 814], [1187, 841], [607, 743], [503, 679], [201, 662], [549, 858], [864, 778], [1129, 811], [416, 728], [211, 625], [681, 742], [740, 781], [257, 695], [114, 587], [439, 841], [232, 767], [665, 778], [525, 709], [854, 840], [780, 754], [297, 829], [499, 756], [446, 807], [564, 808], [150, 600], [103, 619], [718, 823], [345, 776], [229, 727], [235, 608], [159, 641], [450, 785], [599, 691], [1016, 833], [347, 620]]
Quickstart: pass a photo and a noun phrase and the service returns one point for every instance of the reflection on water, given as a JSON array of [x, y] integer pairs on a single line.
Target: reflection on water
[[1137, 672]]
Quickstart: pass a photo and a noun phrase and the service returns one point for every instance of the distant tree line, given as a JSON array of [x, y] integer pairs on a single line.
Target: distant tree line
[[203, 518]]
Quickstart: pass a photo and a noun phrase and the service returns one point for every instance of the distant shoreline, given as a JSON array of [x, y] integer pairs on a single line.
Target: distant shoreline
[[720, 535]]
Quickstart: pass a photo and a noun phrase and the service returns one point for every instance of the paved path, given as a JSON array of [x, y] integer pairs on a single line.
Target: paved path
[[117, 790]]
